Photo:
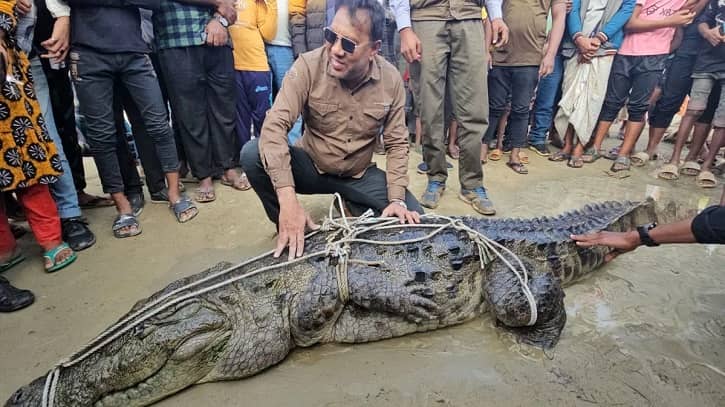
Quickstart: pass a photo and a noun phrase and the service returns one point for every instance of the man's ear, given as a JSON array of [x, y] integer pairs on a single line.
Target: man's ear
[[375, 49]]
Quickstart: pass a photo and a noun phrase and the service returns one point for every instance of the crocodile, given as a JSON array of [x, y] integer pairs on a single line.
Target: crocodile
[[231, 322]]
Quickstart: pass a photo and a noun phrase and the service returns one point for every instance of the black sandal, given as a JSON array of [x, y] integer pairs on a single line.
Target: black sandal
[[126, 221], [181, 206], [559, 156], [518, 168]]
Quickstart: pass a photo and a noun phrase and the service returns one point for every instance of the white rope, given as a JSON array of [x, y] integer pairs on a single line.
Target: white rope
[[336, 247]]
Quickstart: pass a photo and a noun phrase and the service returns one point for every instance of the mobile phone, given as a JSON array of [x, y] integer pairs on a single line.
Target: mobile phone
[[722, 28]]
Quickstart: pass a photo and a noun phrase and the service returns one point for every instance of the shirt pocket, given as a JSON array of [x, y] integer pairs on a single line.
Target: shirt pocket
[[324, 116], [374, 117]]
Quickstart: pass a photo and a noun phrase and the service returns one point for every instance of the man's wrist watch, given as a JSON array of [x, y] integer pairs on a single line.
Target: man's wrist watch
[[223, 21], [644, 237], [400, 202]]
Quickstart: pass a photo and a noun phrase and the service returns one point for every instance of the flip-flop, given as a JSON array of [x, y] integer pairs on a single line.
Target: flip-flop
[[518, 168], [184, 204], [575, 162], [97, 202], [592, 155], [612, 154], [16, 258], [559, 156], [126, 221], [639, 159], [52, 254], [205, 196], [669, 172], [706, 179], [495, 155], [242, 183], [690, 168]]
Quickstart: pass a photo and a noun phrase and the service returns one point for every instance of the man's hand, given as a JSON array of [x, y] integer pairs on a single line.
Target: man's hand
[[681, 17], [216, 34], [500, 32], [713, 36], [23, 7], [58, 43], [227, 10], [410, 45], [398, 211], [291, 224], [621, 242], [547, 65]]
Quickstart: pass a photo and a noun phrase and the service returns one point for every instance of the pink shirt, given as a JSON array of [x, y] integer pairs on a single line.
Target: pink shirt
[[655, 42]]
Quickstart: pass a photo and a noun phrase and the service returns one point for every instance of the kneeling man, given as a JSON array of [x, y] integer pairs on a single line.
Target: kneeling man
[[347, 95]]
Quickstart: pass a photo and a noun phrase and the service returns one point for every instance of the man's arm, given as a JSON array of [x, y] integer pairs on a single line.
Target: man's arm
[[401, 11], [223, 7], [574, 19], [58, 8], [618, 20], [267, 21], [558, 17], [395, 139]]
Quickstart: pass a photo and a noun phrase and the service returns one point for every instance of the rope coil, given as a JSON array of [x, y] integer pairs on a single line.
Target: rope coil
[[342, 234]]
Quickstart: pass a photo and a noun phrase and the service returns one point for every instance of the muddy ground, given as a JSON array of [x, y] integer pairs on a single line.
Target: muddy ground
[[647, 329]]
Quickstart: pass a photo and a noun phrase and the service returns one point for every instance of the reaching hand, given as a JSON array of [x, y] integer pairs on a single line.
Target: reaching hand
[[227, 10], [397, 210], [292, 222], [622, 242], [500, 32], [410, 45], [713, 36]]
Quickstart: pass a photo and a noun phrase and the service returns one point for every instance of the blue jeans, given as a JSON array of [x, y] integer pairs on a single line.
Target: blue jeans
[[544, 104], [280, 60], [63, 190]]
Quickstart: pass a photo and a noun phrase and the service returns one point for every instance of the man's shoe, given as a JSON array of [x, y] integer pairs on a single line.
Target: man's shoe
[[137, 202], [12, 298], [540, 149], [478, 199], [77, 234], [161, 197], [432, 194], [423, 167]]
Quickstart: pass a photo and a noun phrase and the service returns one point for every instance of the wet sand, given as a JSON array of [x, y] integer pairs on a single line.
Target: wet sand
[[648, 329]]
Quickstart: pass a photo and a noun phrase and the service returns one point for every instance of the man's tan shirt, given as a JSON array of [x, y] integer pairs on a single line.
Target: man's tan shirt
[[341, 124]]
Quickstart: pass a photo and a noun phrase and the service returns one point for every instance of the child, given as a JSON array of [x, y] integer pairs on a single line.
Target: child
[[637, 68]]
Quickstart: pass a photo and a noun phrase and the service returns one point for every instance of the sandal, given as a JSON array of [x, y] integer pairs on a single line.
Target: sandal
[[640, 159], [621, 164], [241, 184], [518, 168], [669, 172], [690, 168], [52, 256], [495, 155], [127, 221], [575, 162], [559, 156], [523, 157], [181, 209], [706, 179], [613, 153], [205, 196], [592, 155], [15, 258]]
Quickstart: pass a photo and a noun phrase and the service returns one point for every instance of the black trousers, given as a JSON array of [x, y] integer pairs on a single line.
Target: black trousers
[[633, 78], [368, 192], [201, 87]]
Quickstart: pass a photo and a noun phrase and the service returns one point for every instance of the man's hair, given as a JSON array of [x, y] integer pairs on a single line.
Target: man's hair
[[375, 11]]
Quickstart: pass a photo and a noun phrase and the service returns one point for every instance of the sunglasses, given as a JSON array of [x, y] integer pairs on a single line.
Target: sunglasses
[[348, 45]]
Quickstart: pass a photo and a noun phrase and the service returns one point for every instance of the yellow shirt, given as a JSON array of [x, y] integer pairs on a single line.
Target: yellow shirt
[[256, 23], [297, 7]]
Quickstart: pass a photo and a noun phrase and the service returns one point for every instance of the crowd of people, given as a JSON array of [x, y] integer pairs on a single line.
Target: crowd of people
[[293, 97]]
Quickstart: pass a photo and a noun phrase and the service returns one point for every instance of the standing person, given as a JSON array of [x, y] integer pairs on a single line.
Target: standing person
[[636, 69], [30, 162], [517, 67], [198, 66], [442, 42], [346, 93], [100, 58], [256, 23], [596, 31], [280, 56]]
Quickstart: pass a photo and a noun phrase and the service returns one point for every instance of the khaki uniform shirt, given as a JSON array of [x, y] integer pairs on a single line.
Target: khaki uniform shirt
[[341, 124]]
